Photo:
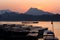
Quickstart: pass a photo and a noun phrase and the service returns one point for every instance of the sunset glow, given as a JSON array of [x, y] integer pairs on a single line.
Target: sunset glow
[[24, 5]]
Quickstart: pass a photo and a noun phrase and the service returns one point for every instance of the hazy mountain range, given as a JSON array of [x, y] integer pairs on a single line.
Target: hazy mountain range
[[33, 14]]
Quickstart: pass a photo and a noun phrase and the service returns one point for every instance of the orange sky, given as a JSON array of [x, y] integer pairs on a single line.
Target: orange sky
[[24, 5]]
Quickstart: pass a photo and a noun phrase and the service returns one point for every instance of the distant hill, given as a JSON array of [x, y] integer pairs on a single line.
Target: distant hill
[[7, 15]]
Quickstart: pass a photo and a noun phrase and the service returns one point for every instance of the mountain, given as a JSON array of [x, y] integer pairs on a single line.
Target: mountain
[[7, 15], [35, 11], [3, 11]]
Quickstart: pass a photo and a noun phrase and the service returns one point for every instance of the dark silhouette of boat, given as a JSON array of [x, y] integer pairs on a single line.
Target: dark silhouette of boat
[[15, 32]]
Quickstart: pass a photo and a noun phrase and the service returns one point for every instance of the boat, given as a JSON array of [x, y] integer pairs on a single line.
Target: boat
[[14, 32]]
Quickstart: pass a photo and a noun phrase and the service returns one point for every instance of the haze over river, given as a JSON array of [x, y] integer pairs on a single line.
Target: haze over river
[[48, 24]]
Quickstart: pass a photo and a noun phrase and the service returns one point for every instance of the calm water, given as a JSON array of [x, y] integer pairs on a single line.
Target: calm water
[[56, 26]]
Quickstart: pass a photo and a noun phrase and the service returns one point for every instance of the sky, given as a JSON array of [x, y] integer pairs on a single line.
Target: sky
[[23, 5]]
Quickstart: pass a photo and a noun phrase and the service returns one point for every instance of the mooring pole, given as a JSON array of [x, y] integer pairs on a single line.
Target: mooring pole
[[52, 26]]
